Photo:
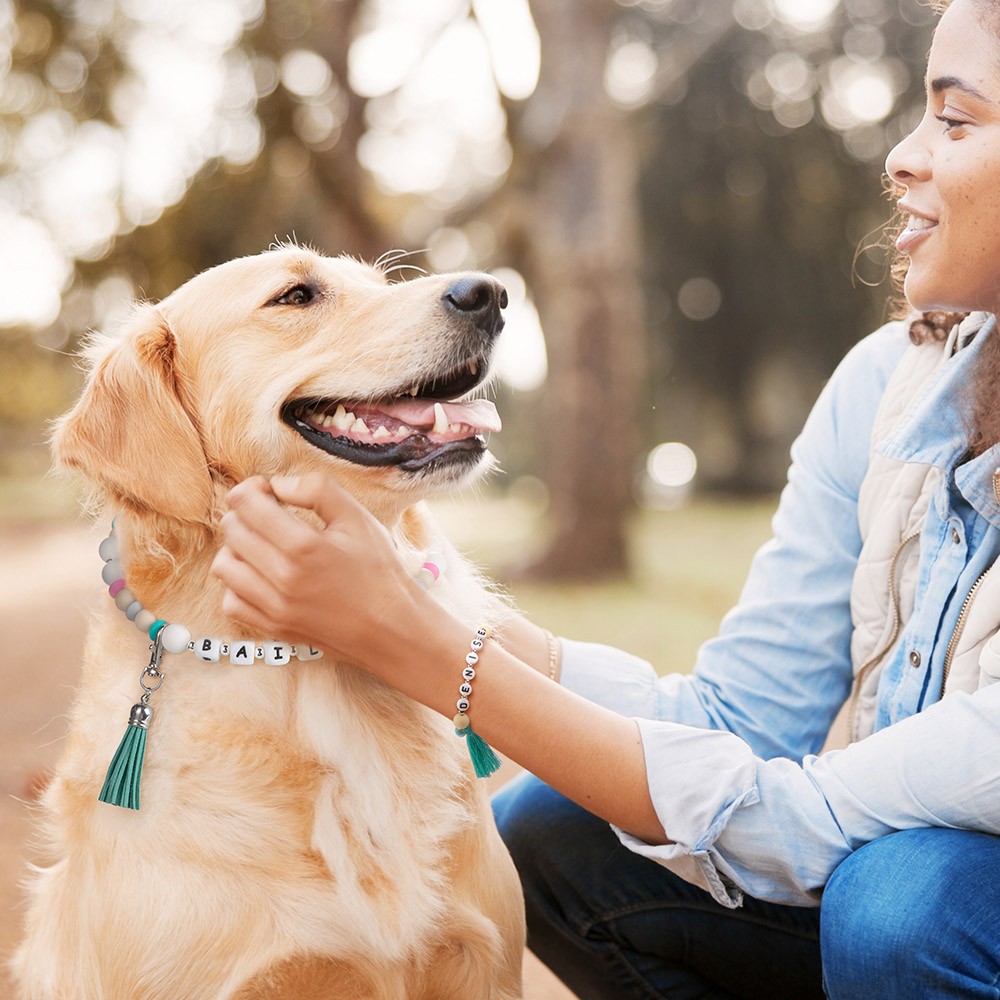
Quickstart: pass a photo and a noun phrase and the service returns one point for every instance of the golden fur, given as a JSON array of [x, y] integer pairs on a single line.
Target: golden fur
[[305, 832]]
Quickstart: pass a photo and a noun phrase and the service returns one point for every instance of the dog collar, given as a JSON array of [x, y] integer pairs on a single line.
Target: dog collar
[[176, 638], [121, 786]]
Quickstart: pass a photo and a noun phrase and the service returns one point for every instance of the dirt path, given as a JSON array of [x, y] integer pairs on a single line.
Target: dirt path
[[48, 586]]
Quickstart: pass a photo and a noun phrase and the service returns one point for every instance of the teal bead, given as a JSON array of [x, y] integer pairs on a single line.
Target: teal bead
[[154, 629]]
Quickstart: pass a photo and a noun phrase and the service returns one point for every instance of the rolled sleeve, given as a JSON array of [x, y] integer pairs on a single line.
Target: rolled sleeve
[[610, 677], [697, 780], [777, 829]]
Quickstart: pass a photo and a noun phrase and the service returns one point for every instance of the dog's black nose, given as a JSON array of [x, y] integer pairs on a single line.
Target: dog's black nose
[[478, 298]]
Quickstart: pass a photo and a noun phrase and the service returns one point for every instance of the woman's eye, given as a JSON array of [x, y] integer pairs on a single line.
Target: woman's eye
[[300, 295], [949, 123]]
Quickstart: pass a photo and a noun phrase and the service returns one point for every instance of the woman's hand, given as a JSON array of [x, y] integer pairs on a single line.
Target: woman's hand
[[293, 579], [343, 588]]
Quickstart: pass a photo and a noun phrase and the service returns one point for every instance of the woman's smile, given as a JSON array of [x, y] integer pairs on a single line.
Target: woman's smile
[[917, 228]]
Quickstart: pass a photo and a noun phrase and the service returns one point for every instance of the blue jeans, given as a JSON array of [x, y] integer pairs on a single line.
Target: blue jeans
[[912, 916]]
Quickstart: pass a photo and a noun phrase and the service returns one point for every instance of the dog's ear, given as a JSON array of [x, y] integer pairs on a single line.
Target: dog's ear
[[129, 432]]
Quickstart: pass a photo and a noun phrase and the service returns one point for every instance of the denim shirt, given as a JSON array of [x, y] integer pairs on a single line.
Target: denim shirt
[[730, 749]]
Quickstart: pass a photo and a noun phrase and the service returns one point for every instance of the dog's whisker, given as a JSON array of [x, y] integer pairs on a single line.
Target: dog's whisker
[[391, 261], [404, 267]]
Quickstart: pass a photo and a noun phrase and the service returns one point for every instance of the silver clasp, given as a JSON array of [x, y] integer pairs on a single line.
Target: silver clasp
[[151, 679]]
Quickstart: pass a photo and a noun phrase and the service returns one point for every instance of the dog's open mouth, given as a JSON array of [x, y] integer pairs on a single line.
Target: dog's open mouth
[[410, 429]]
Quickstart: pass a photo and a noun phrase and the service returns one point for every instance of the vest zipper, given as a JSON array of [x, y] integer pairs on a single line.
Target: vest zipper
[[963, 614], [896, 622]]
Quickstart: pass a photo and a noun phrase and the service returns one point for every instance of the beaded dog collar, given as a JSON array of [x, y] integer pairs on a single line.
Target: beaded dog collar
[[121, 786]]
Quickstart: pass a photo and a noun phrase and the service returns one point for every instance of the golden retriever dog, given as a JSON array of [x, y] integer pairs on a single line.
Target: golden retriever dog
[[304, 832]]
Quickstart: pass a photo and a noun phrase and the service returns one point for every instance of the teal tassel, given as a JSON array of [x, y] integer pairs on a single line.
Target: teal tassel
[[484, 760], [121, 786]]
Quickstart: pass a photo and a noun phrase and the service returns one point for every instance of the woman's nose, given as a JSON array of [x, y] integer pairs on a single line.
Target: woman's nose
[[908, 160]]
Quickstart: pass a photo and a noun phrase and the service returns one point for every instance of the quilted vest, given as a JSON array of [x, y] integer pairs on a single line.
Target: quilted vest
[[892, 506]]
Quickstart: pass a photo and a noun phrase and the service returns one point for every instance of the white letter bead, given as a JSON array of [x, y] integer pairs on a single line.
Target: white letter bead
[[277, 654], [462, 704], [476, 644], [471, 658], [109, 548], [174, 638], [307, 653], [124, 598], [208, 649], [242, 652], [469, 673], [112, 571], [465, 690]]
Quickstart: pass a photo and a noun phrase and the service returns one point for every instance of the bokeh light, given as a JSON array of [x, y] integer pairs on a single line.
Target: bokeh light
[[521, 361], [699, 298]]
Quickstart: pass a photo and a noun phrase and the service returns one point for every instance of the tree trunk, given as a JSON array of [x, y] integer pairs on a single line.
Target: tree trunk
[[581, 253]]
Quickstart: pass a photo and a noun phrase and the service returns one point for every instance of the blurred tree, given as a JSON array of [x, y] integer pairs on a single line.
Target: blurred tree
[[306, 183], [764, 178], [570, 225]]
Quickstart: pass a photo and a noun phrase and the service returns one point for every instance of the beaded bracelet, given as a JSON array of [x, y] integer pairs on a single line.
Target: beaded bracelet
[[484, 760]]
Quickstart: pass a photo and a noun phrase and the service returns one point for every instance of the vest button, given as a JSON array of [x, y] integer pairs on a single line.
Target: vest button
[[914, 658]]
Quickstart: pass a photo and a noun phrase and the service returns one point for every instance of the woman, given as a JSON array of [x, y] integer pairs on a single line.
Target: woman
[[871, 870]]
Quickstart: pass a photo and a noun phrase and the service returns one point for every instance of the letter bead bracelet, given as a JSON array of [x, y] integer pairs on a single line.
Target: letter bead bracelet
[[484, 760]]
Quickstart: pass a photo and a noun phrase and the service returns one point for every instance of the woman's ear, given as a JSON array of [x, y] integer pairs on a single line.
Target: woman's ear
[[129, 432]]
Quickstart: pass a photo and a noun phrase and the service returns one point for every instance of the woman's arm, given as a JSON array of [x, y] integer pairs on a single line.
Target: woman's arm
[[286, 576], [775, 676]]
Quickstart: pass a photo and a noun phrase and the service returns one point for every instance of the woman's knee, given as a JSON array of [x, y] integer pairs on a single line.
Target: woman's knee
[[887, 914]]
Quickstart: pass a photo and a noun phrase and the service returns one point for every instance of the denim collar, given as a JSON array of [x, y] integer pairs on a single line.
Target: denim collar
[[933, 431]]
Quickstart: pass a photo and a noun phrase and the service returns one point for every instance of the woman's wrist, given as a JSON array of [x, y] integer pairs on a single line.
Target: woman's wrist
[[533, 645]]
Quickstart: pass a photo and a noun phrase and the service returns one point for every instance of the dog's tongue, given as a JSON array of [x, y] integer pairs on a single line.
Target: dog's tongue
[[480, 414]]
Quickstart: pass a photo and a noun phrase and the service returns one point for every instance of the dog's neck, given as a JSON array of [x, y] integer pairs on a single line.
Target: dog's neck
[[160, 547]]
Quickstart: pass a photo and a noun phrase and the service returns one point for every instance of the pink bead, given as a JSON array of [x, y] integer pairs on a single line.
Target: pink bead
[[115, 587], [432, 569]]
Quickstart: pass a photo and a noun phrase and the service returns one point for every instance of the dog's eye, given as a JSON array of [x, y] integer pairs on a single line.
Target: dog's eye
[[299, 295]]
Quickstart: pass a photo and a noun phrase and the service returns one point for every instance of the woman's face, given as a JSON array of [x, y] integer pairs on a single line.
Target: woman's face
[[950, 168]]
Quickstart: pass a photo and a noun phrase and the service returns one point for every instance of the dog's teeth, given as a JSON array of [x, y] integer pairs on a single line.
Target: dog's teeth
[[473, 367], [326, 420], [359, 427], [440, 419], [341, 419], [413, 391], [380, 433], [403, 432]]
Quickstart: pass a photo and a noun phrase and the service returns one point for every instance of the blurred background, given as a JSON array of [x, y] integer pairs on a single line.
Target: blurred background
[[683, 198]]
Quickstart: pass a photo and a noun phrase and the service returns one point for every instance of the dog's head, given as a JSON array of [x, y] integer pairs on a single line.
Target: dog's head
[[282, 363]]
